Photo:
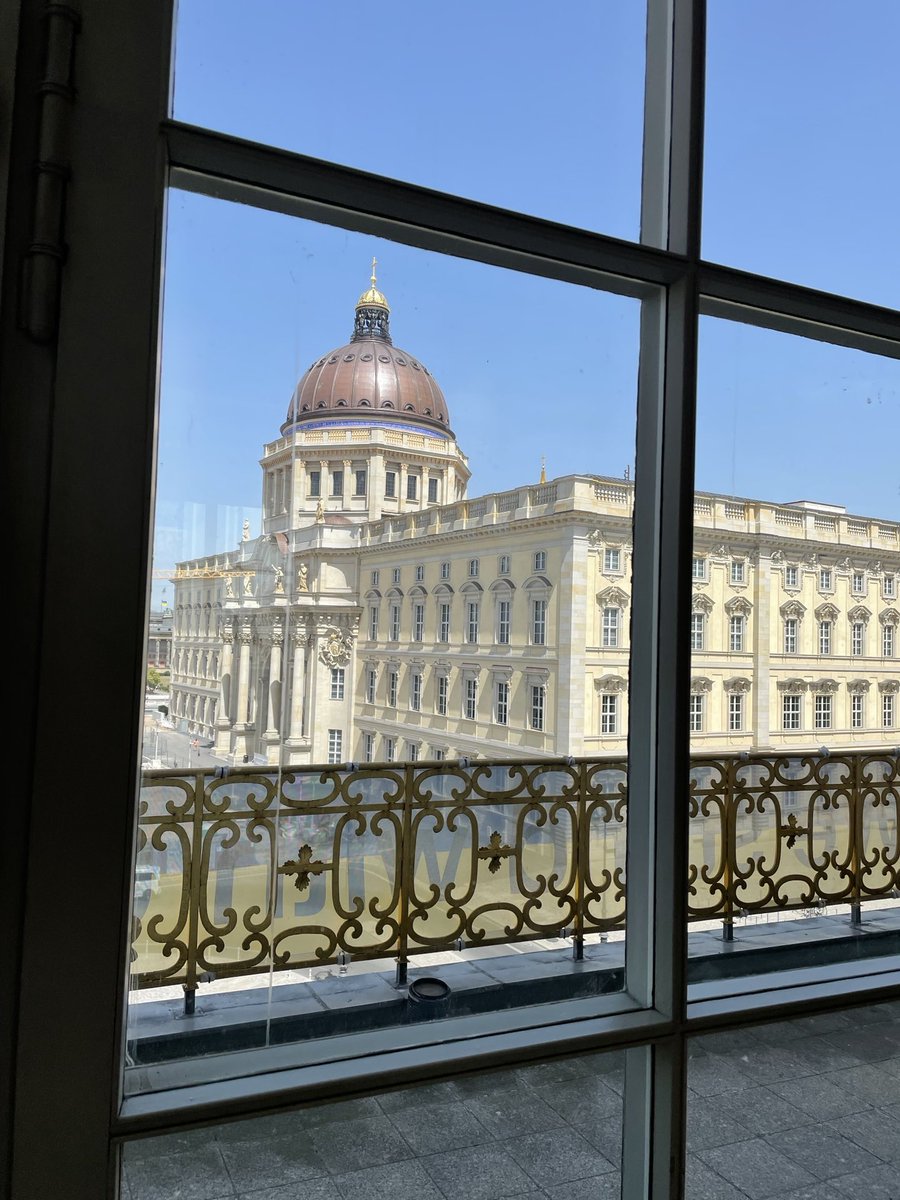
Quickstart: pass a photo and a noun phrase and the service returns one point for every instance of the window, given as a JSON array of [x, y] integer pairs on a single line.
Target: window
[[388, 744], [473, 568], [437, 753], [737, 570], [790, 635], [360, 483], [698, 630], [371, 681], [373, 622], [444, 621], [538, 694], [540, 560], [790, 712], [887, 641], [501, 706], [418, 621], [390, 485], [823, 712], [503, 565], [887, 711], [503, 610], [736, 634], [392, 689], [368, 747], [412, 487], [859, 582], [395, 623], [443, 688], [857, 637], [888, 588], [825, 637], [432, 490], [420, 572], [539, 622], [373, 578], [735, 712], [337, 483], [611, 560], [412, 751], [337, 683], [856, 710], [698, 568], [791, 577], [825, 579], [395, 574], [472, 622], [696, 712], [335, 745], [610, 632], [445, 570], [471, 698], [609, 713], [315, 483], [415, 691]]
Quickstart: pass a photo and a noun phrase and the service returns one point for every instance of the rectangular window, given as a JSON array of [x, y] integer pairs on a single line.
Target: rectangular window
[[736, 635], [432, 491], [473, 568], [889, 587], [887, 711], [538, 695], [337, 683], [856, 710], [388, 749], [610, 634], [698, 630], [445, 570], [823, 712], [790, 635], [315, 483], [368, 747], [472, 622], [503, 565], [415, 691], [698, 568], [390, 484], [540, 560], [371, 682], [824, 637], [539, 622], [696, 712], [412, 751], [395, 574], [374, 579], [392, 689], [471, 699], [609, 713], [735, 712], [611, 560], [859, 582], [444, 621], [437, 753], [412, 487], [501, 711], [790, 712], [360, 483], [420, 572], [335, 745], [825, 579], [791, 577], [737, 570], [337, 483], [418, 622], [395, 623], [887, 641], [373, 622], [857, 635], [503, 611], [443, 689]]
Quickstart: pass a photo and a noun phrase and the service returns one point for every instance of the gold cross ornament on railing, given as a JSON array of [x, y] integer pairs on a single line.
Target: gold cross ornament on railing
[[303, 866], [494, 851]]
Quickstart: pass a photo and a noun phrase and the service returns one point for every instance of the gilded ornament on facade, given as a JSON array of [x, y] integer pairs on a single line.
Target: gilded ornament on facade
[[336, 647]]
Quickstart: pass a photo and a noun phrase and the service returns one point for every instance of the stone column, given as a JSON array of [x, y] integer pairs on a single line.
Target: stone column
[[349, 483], [401, 488], [226, 662], [298, 682], [245, 637], [272, 735]]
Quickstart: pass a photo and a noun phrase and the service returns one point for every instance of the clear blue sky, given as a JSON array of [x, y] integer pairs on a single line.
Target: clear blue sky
[[505, 102]]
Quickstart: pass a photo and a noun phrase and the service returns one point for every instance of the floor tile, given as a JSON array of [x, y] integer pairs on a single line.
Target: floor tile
[[819, 1191], [582, 1100], [307, 1189], [756, 1168], [434, 1128], [820, 1098], [273, 1162], [878, 1183], [508, 1114], [825, 1153], [369, 1142], [414, 1097], [709, 1125], [394, 1181], [559, 1156], [870, 1043], [876, 1130], [715, 1074], [197, 1174], [597, 1187], [479, 1173], [760, 1111], [703, 1183], [871, 1082], [606, 1136], [168, 1144]]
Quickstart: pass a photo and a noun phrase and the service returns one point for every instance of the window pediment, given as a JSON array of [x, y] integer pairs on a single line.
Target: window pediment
[[793, 687], [471, 588], [443, 589], [737, 685], [738, 606], [701, 603], [611, 683], [537, 583], [826, 612], [858, 687], [502, 585], [890, 616], [793, 608], [700, 684], [825, 687], [612, 597], [889, 687], [859, 613]]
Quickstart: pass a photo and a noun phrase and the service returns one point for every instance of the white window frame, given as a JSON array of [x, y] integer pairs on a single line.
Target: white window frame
[[396, 574], [501, 702], [335, 746], [470, 698], [612, 560], [373, 622], [698, 631], [738, 571], [823, 710], [538, 706], [889, 587], [389, 745], [443, 621], [857, 710], [696, 712], [418, 614], [433, 484], [441, 694], [394, 622], [504, 618], [368, 747], [503, 564], [338, 682], [826, 638], [609, 632], [859, 583], [473, 568], [888, 641], [445, 570], [698, 568], [609, 714], [791, 576], [473, 614], [393, 687], [736, 628], [888, 709], [858, 638], [826, 579], [539, 610], [540, 560], [371, 684], [791, 711], [415, 691], [791, 631], [736, 712], [420, 572]]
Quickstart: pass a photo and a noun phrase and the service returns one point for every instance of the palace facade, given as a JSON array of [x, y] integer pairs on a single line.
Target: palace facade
[[383, 614]]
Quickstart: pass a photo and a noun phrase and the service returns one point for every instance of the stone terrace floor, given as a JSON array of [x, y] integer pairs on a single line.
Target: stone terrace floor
[[799, 1110]]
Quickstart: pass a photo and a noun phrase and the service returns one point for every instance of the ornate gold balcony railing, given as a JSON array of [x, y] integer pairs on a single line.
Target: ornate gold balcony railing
[[248, 870]]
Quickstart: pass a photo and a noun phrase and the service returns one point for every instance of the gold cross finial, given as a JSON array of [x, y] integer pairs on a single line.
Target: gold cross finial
[[543, 478], [374, 265]]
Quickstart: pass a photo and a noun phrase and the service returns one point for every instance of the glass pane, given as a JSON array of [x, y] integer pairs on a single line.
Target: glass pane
[[358, 805], [800, 175], [504, 102], [797, 1109], [547, 1129], [795, 681]]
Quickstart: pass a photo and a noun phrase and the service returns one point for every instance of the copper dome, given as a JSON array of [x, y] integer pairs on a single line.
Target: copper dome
[[369, 378]]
